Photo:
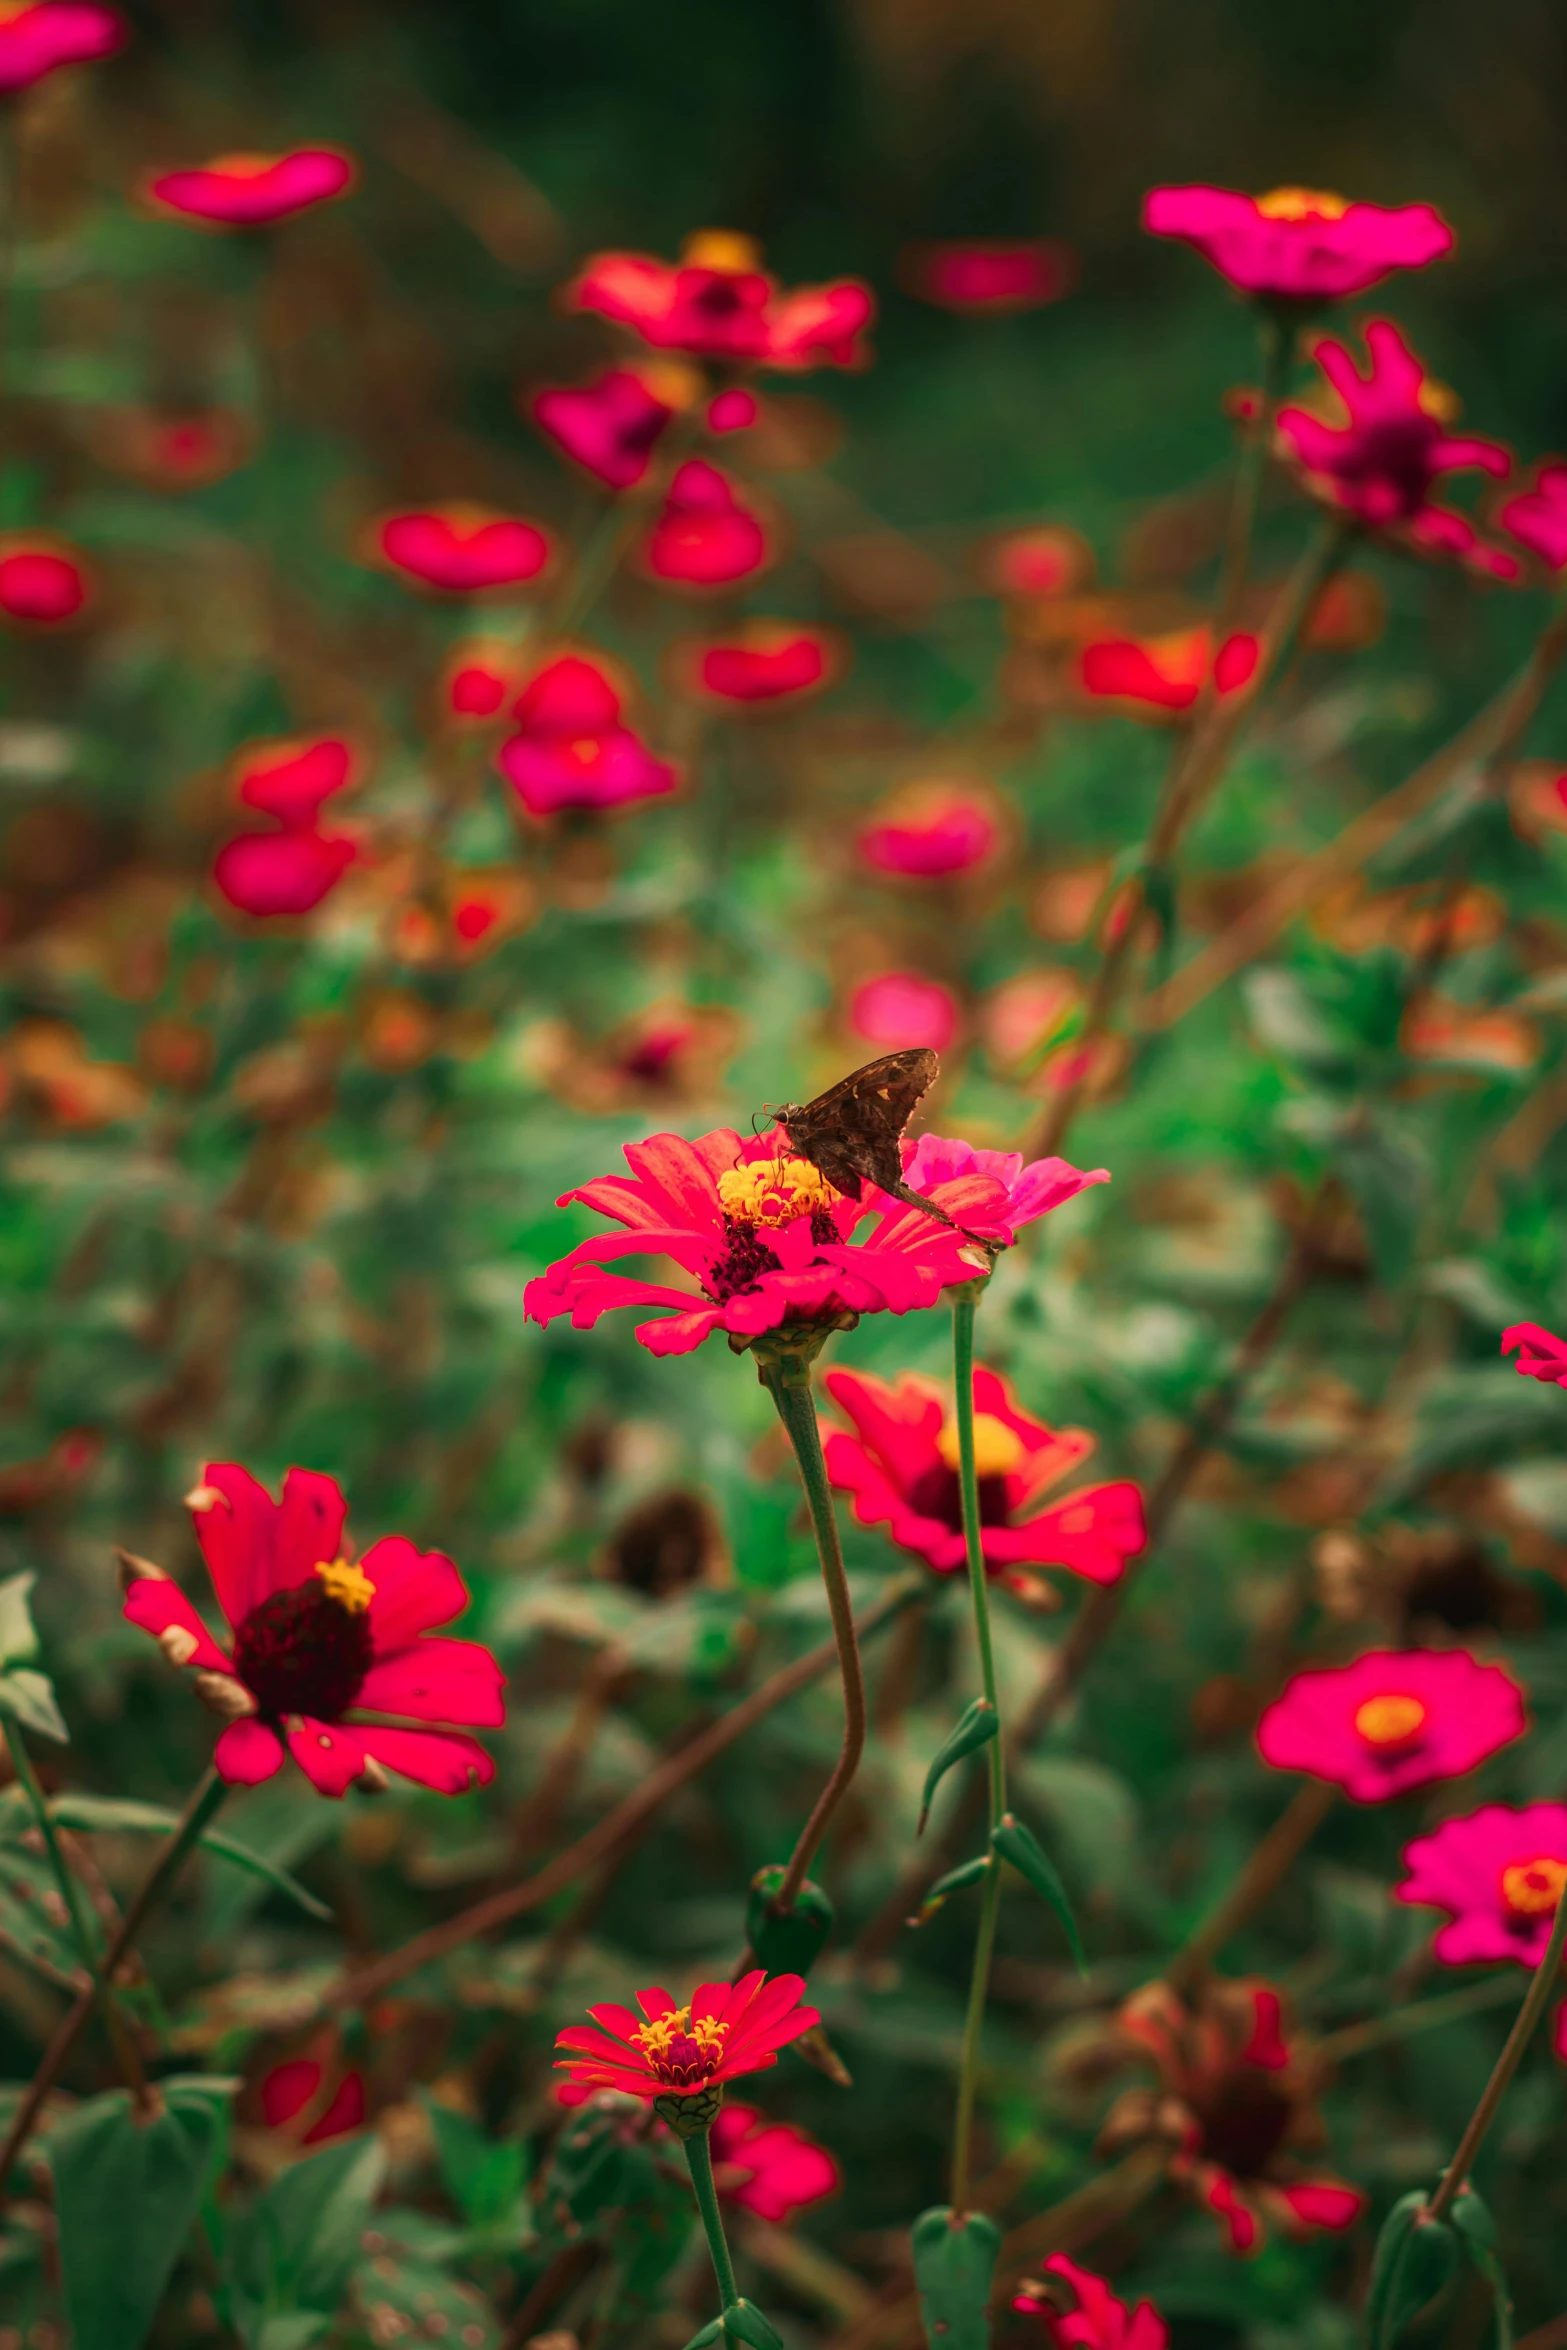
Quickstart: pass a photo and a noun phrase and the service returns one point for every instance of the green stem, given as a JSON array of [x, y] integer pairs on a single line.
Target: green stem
[[787, 1378], [70, 1891], [965, 1306], [208, 1794], [699, 2159], [1546, 1975], [1274, 352]]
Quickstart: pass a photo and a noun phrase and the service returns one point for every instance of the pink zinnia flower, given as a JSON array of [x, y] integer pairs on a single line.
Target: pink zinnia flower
[[316, 1638], [1097, 2321], [291, 871], [573, 748], [900, 1009], [1499, 1873], [1297, 244], [36, 36], [1167, 672], [770, 2168], [1392, 1720], [674, 2051], [289, 2088], [705, 535], [610, 426], [1030, 1191], [995, 274], [771, 661], [901, 1465], [930, 830], [1382, 463], [463, 550], [1541, 1355], [253, 191], [766, 1238], [718, 302], [733, 411], [482, 675], [43, 582], [1537, 518]]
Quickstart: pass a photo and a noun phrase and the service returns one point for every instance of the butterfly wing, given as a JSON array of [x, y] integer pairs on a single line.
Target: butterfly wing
[[853, 1130]]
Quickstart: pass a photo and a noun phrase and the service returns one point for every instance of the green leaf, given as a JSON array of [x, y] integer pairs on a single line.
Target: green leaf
[[1414, 2258], [954, 2262], [125, 2193], [1475, 2224], [35, 1925], [1022, 1848], [18, 1638], [114, 1815], [968, 1872], [788, 1944], [291, 2254], [744, 2320], [484, 2176], [976, 1729], [705, 2334], [29, 1698], [1388, 1179]]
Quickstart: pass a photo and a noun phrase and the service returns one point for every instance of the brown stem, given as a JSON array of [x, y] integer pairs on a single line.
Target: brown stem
[[568, 2268], [367, 1983], [1546, 1977], [565, 1763], [1267, 1868]]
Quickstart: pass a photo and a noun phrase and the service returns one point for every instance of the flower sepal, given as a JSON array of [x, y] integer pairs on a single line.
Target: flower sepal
[[1414, 2259], [691, 2115], [788, 1941], [787, 1353], [745, 2321]]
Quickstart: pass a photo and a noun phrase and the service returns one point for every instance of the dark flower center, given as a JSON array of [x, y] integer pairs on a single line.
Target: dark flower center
[[1245, 2124], [1397, 452], [748, 1256], [685, 2062], [936, 1493], [302, 1652]]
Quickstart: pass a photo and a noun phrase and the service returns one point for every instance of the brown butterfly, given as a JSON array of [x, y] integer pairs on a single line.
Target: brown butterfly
[[853, 1130]]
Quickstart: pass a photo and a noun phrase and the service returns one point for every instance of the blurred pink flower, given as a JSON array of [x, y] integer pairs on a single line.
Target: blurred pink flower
[[1537, 518], [733, 411], [1297, 244], [766, 1238], [573, 748], [289, 2088], [253, 191], [609, 426], [1499, 1872], [771, 661], [930, 830], [36, 36], [317, 1637], [899, 1009], [704, 536], [1097, 2321], [717, 302], [43, 582], [1383, 462], [1392, 1720], [482, 674], [462, 549], [901, 1467], [770, 2168], [292, 778], [1541, 1355], [287, 872], [991, 274], [1166, 671]]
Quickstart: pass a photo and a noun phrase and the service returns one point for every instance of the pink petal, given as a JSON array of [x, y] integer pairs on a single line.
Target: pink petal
[[438, 1681], [156, 1605], [444, 1760], [414, 1591], [331, 1756], [655, 2002], [247, 1753]]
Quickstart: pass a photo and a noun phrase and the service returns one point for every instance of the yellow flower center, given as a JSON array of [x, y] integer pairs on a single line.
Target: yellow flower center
[[721, 248], [242, 167], [998, 1449], [1532, 1888], [774, 1191], [1301, 204], [680, 2052], [349, 1585], [1390, 1720]]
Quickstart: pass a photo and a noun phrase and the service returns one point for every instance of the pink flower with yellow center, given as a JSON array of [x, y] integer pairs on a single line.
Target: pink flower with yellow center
[[463, 550], [1499, 1873], [253, 191], [323, 1647], [717, 302], [686, 2052], [1297, 244], [705, 536], [38, 36], [1095, 2319], [901, 1465], [1166, 673], [1392, 1720], [573, 748]]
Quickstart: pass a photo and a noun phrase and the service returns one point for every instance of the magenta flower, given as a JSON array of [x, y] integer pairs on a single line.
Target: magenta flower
[[1167, 672], [931, 830], [317, 1638], [292, 2088], [1031, 1191], [735, 410], [37, 36], [573, 748], [1541, 1355], [253, 191], [1392, 1720], [717, 302], [771, 661], [765, 1238], [1382, 464], [1097, 2321], [820, 326], [290, 871], [727, 2029], [463, 550], [705, 536], [1297, 244], [769, 2168], [993, 275], [1537, 518], [901, 1465], [610, 426], [43, 582], [900, 1009], [1499, 1873]]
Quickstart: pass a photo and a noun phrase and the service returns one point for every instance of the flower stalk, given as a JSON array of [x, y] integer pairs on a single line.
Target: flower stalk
[[699, 2161], [1546, 1976]]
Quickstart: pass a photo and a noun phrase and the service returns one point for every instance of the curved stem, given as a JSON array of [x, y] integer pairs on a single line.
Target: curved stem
[[1546, 1975], [208, 1794], [787, 1379], [1268, 1866], [965, 1305], [699, 2160]]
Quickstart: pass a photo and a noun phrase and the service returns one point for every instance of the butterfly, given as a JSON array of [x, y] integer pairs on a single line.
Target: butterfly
[[852, 1132]]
